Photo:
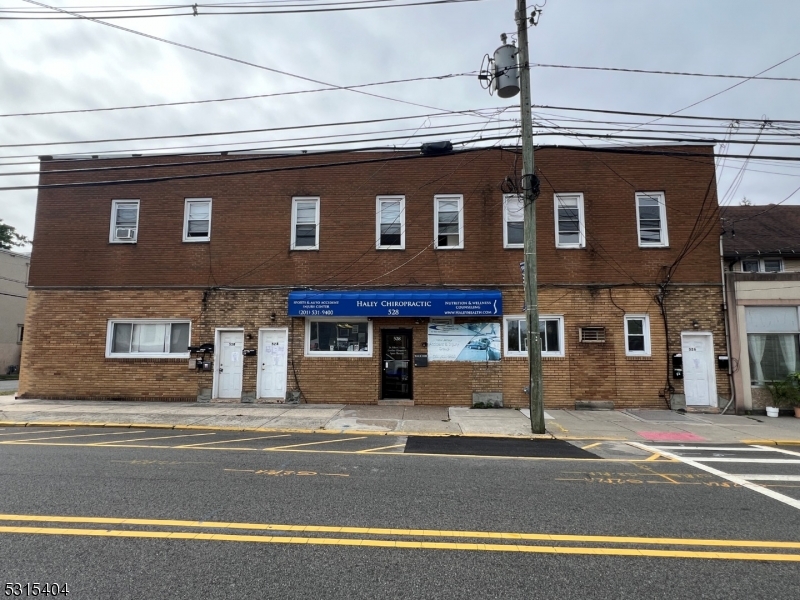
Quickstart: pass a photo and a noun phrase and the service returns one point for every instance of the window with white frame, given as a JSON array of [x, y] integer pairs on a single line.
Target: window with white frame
[[338, 337], [124, 221], [637, 335], [773, 333], [570, 224], [513, 221], [197, 220], [551, 332], [762, 265], [448, 221], [305, 224], [651, 219], [390, 223], [145, 338]]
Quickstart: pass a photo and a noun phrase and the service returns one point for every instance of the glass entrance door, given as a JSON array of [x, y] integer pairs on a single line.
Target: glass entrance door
[[396, 364]]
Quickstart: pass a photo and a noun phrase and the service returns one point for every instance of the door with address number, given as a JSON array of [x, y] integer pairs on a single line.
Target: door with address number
[[229, 364], [699, 382], [396, 364], [272, 355]]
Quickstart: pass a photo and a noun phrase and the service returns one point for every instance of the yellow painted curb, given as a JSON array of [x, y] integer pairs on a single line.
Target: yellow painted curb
[[773, 442]]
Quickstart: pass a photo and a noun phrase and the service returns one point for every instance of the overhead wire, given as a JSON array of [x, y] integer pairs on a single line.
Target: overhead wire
[[231, 59]]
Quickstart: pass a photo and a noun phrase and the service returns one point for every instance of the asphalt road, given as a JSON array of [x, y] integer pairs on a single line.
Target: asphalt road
[[225, 515]]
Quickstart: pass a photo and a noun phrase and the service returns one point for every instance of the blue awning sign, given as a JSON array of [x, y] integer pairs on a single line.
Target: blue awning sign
[[397, 303]]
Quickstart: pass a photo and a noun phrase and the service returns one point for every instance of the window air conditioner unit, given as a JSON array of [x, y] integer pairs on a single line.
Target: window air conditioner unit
[[125, 234], [593, 334]]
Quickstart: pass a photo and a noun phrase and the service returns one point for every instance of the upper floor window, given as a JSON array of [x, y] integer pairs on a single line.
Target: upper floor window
[[551, 332], [137, 338], [197, 220], [305, 224], [391, 223], [513, 221], [124, 221], [637, 335], [570, 224], [448, 222], [762, 265], [651, 219]]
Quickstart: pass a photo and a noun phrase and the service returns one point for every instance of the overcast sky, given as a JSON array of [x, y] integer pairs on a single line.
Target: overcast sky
[[48, 65]]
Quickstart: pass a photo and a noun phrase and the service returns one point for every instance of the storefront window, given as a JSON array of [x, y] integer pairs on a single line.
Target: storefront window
[[772, 342], [342, 336]]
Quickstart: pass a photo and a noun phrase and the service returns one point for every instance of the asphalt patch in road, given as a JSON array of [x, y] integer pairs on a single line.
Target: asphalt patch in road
[[486, 446]]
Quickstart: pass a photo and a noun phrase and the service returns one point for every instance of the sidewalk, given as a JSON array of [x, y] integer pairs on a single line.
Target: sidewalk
[[630, 425]]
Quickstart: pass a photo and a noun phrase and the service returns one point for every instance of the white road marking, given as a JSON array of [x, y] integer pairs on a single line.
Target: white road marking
[[763, 461], [720, 449], [732, 478], [763, 477], [781, 450]]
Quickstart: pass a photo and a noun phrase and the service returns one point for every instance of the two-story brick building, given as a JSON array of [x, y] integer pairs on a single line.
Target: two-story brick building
[[366, 277]]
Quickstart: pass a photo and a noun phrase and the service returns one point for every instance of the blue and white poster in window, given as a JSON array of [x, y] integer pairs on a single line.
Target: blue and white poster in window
[[465, 342]]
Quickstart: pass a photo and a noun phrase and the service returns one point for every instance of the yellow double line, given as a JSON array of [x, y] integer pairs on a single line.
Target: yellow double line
[[511, 540]]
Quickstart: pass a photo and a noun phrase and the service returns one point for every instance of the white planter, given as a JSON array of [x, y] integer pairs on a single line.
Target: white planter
[[772, 411]]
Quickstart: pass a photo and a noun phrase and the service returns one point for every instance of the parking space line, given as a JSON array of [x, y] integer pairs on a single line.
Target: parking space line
[[60, 437], [35, 432], [368, 450], [263, 437], [162, 437], [789, 501], [315, 443]]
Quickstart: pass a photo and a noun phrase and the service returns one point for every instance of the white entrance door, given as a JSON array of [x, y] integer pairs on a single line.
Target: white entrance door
[[229, 364], [698, 369], [272, 358]]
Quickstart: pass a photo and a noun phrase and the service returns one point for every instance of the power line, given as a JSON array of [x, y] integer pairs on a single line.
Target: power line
[[234, 98], [250, 158], [229, 58], [649, 72], [230, 173], [671, 116], [231, 132], [193, 11]]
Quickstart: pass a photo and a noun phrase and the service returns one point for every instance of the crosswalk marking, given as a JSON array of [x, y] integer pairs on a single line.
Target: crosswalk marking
[[738, 479]]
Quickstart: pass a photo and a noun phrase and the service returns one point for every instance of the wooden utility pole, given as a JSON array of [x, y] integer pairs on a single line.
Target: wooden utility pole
[[528, 177]]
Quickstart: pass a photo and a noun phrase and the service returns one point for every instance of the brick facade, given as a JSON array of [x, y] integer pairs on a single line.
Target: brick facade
[[241, 278]]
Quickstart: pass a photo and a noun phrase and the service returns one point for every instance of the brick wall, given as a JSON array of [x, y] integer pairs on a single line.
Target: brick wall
[[251, 222], [65, 356], [65, 351]]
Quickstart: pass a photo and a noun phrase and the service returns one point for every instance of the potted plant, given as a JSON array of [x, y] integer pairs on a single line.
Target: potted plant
[[793, 400], [784, 392]]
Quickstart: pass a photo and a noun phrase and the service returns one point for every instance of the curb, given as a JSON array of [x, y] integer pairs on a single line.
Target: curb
[[773, 442], [179, 427]]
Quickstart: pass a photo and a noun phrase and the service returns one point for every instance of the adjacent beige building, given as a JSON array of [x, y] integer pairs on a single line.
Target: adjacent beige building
[[13, 296], [761, 262]]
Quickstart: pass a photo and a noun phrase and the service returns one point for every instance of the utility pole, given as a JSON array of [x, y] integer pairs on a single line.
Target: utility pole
[[530, 190]]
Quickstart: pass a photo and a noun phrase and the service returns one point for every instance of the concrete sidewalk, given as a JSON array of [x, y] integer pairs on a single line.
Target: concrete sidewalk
[[628, 425]]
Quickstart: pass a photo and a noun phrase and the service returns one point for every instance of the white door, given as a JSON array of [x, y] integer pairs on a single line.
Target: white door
[[229, 364], [272, 358], [698, 369]]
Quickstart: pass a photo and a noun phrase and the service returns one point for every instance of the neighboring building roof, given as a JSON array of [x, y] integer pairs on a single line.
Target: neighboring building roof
[[759, 230]]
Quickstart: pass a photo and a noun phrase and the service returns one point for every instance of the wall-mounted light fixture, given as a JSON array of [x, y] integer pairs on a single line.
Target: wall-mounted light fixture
[[272, 317], [695, 323]]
